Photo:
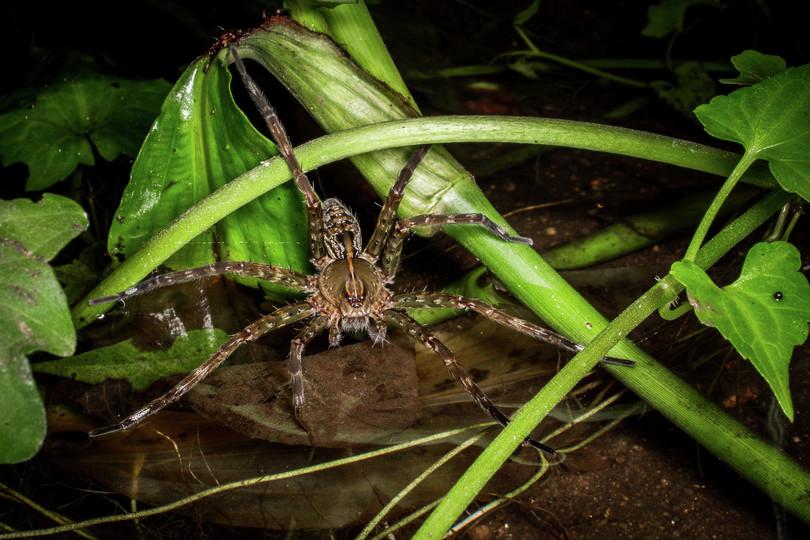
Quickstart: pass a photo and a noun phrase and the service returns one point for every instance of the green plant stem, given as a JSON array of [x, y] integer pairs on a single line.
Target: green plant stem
[[434, 130], [535, 52], [763, 464], [352, 27], [413, 484], [637, 231], [230, 486], [714, 208]]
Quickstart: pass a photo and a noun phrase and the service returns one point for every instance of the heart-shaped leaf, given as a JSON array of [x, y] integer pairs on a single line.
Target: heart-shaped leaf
[[34, 314], [772, 120], [764, 313], [200, 141], [124, 360], [754, 67], [54, 129]]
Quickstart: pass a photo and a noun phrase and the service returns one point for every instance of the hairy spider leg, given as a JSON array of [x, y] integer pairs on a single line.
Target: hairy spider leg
[[279, 134], [393, 248], [281, 276], [421, 334], [442, 300], [387, 217], [278, 319]]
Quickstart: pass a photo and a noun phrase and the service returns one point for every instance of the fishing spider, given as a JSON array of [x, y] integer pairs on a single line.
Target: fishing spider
[[349, 292]]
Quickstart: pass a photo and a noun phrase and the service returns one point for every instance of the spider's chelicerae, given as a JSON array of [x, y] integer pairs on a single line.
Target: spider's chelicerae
[[349, 291]]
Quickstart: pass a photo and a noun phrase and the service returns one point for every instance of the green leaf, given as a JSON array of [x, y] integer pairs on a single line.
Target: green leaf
[[201, 141], [54, 129], [693, 87], [124, 360], [772, 120], [667, 16], [77, 277], [764, 314], [34, 314], [753, 67]]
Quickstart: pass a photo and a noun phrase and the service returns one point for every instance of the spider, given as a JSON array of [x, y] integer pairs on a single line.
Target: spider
[[349, 291]]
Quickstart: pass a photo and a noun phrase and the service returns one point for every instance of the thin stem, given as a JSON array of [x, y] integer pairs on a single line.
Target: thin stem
[[456, 450], [497, 503], [714, 208], [410, 518], [535, 52], [244, 483], [58, 518]]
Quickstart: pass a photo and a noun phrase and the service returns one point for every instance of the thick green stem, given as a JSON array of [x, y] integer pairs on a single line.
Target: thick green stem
[[435, 130], [714, 208], [765, 465]]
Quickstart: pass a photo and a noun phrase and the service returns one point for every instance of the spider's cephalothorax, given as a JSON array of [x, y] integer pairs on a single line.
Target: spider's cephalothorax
[[348, 286], [349, 291]]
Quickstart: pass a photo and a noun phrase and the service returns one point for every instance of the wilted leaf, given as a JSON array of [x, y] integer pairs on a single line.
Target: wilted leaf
[[772, 120], [34, 315], [55, 131], [753, 67], [764, 313], [124, 360]]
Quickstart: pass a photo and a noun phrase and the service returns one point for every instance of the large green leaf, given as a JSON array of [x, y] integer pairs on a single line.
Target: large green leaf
[[772, 120], [201, 141], [54, 129], [753, 67], [124, 360], [34, 314], [764, 313]]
